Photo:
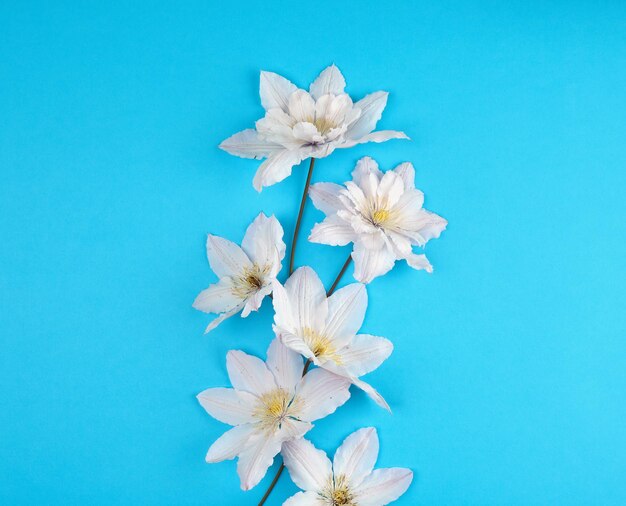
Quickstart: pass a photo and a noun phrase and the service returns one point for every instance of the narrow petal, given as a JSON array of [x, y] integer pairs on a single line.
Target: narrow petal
[[285, 364], [424, 225], [383, 486], [419, 262], [295, 342], [330, 81], [230, 444], [390, 189], [407, 173], [276, 168], [263, 243], [256, 459], [284, 317], [217, 298], [372, 107], [309, 468], [275, 91], [320, 393], [378, 137], [356, 456], [364, 354], [362, 174], [325, 197], [305, 499], [248, 373], [302, 106], [225, 257], [228, 405], [372, 393], [333, 231], [346, 311], [248, 144], [369, 264], [308, 298], [224, 316]]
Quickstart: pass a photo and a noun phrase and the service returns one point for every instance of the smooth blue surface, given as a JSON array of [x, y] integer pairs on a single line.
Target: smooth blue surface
[[508, 381]]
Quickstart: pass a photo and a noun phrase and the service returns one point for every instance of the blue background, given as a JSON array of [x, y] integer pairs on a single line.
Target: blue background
[[509, 375]]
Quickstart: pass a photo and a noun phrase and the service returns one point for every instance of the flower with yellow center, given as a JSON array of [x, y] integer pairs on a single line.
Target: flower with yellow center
[[246, 273], [270, 403], [324, 329], [350, 480]]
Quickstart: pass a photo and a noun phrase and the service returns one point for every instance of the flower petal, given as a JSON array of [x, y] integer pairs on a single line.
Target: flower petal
[[383, 486], [305, 499], [309, 468], [333, 231], [263, 243], [364, 354], [356, 456], [217, 298], [407, 173], [369, 263], [276, 168], [378, 137], [285, 365], [330, 81], [284, 317], [424, 226], [225, 257], [372, 393], [366, 176], [419, 262], [275, 91], [302, 106], [248, 373], [230, 444], [224, 316], [228, 405], [372, 107], [248, 144], [256, 459], [320, 393], [325, 197], [308, 299], [294, 342], [346, 311]]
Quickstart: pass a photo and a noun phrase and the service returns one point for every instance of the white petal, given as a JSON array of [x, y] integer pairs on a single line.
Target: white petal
[[217, 298], [372, 107], [346, 311], [333, 231], [390, 189], [224, 316], [302, 106], [305, 499], [333, 109], [275, 91], [366, 176], [291, 429], [225, 257], [320, 393], [330, 81], [308, 298], [309, 468], [248, 144], [408, 207], [276, 168], [228, 405], [285, 365], [284, 316], [264, 244], [427, 225], [365, 353], [230, 444], [356, 456], [325, 197], [294, 342], [248, 373], [372, 393], [407, 173], [307, 133], [419, 262], [383, 486], [369, 264], [378, 137], [256, 459]]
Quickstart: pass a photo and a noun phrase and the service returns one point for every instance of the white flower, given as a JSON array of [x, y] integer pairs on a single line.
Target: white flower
[[300, 124], [349, 480], [271, 403], [246, 273], [324, 329], [381, 214]]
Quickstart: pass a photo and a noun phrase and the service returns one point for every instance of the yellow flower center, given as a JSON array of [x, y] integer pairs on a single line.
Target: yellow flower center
[[380, 216], [320, 345], [251, 280], [273, 408], [342, 497]]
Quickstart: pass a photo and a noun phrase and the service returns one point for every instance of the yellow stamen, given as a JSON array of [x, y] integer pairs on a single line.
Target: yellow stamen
[[380, 216]]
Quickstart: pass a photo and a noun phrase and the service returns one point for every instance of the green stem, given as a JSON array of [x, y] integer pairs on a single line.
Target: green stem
[[299, 220]]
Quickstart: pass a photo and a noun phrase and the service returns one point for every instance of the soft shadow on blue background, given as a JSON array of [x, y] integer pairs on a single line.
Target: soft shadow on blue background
[[509, 376]]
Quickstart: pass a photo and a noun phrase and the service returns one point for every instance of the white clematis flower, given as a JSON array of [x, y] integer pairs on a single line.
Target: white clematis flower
[[349, 480], [300, 124], [324, 329], [246, 273], [381, 213], [271, 403]]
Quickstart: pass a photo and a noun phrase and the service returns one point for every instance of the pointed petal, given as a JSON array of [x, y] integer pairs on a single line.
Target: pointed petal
[[248, 373], [305, 499], [276, 168], [364, 354], [285, 364], [256, 459], [333, 231], [302, 106], [230, 444], [330, 81], [248, 144], [295, 342], [228, 405], [224, 316], [372, 107], [263, 243], [346, 311], [217, 298], [390, 189], [419, 262], [366, 176], [275, 91], [284, 317], [378, 137], [372, 393], [320, 393], [356, 456], [383, 486], [423, 225], [309, 468], [308, 298], [407, 173], [255, 299], [369, 264], [225, 257], [325, 197]]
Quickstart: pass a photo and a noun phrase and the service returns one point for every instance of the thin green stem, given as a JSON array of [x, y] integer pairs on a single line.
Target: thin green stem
[[299, 220], [340, 275]]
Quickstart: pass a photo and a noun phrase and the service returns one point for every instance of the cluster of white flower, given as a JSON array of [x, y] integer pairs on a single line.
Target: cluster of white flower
[[272, 404]]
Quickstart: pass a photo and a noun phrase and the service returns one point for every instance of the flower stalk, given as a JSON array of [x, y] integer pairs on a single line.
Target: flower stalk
[[296, 231]]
